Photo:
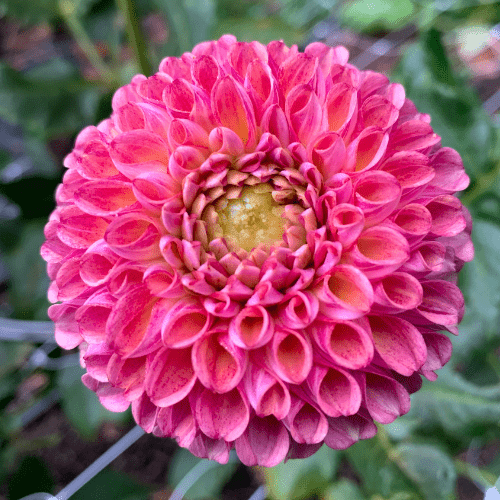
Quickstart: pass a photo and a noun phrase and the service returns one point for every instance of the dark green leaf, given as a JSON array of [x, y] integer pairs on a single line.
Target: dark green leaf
[[301, 13], [46, 108], [31, 476], [209, 484], [301, 478], [30, 12], [379, 474], [459, 407], [429, 467], [111, 485], [481, 287], [343, 490], [456, 111], [81, 405], [29, 281]]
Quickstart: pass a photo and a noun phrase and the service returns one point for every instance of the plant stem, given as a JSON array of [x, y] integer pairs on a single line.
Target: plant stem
[[67, 10], [134, 35]]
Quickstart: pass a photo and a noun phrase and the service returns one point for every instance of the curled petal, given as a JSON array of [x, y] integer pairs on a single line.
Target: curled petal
[[377, 193], [335, 390], [415, 221], [306, 423], [303, 110], [439, 349], [184, 323], [177, 421], [328, 154], [341, 105], [222, 416], [346, 221], [170, 376], [291, 355], [399, 343], [379, 251], [348, 343], [366, 150], [253, 327], [134, 236], [345, 293], [77, 229], [299, 311], [447, 216], [442, 303], [144, 412], [345, 431], [219, 364], [93, 315], [385, 398], [67, 333], [163, 281], [233, 109], [396, 293], [266, 393], [97, 263], [265, 442]]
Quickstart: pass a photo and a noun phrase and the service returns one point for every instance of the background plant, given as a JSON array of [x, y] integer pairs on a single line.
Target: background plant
[[61, 62]]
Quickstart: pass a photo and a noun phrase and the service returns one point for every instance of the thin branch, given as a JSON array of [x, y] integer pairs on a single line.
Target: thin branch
[[134, 35], [105, 459], [67, 10]]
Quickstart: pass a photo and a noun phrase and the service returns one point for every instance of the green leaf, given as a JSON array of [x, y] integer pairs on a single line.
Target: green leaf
[[302, 13], [455, 109], [263, 30], [112, 485], [81, 405], [29, 281], [47, 107], [377, 14], [343, 490], [301, 478], [178, 23], [209, 484], [201, 16], [429, 467], [379, 474], [481, 287], [459, 407]]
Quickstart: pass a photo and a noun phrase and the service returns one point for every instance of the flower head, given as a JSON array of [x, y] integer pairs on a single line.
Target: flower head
[[258, 250]]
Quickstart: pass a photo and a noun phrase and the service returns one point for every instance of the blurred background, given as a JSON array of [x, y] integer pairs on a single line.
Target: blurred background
[[60, 63]]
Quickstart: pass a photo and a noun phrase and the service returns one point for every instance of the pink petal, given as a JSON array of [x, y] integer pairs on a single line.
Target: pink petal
[[290, 355], [345, 431], [385, 398], [348, 343], [170, 376], [265, 442], [233, 109], [397, 292], [184, 323], [335, 390], [253, 327], [219, 364], [266, 393], [399, 343], [306, 423], [222, 416], [344, 294]]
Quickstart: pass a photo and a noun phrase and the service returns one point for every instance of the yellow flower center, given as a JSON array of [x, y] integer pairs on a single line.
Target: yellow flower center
[[252, 219]]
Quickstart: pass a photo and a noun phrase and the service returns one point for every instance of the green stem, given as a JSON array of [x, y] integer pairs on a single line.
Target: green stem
[[482, 477], [134, 35], [67, 11], [483, 183]]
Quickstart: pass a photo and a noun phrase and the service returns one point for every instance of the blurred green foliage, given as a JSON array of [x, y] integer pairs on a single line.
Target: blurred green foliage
[[44, 104]]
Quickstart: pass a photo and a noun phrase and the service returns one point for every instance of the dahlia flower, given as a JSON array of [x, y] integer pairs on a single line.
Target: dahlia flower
[[259, 250]]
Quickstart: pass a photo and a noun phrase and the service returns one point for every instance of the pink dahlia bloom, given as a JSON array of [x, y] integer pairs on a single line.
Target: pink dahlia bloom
[[258, 250]]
